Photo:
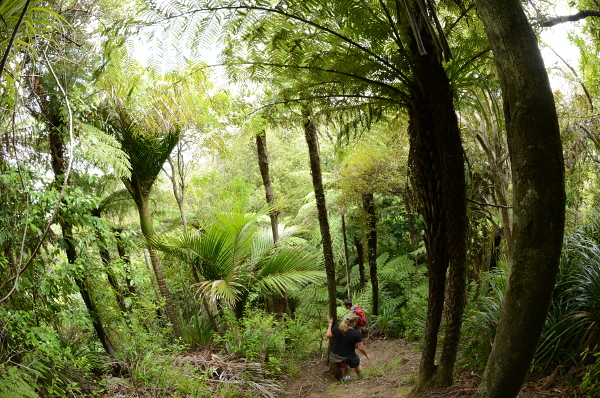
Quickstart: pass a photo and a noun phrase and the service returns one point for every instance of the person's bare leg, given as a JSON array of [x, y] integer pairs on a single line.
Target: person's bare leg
[[345, 371], [358, 370]]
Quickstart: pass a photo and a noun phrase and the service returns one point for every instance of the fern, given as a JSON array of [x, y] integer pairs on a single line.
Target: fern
[[15, 383], [105, 152]]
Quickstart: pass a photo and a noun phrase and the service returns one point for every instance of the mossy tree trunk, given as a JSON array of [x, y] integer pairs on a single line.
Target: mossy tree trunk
[[535, 150]]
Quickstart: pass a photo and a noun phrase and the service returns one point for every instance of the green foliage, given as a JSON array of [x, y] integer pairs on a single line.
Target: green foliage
[[260, 337], [590, 382], [198, 331], [480, 321], [235, 255], [61, 364], [573, 321], [403, 297], [16, 383], [162, 376]]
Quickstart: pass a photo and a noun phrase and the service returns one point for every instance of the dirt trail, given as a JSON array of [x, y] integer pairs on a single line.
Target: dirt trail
[[389, 373], [392, 371]]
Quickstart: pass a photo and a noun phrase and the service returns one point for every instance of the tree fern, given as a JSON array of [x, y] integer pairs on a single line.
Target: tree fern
[[15, 383], [104, 151]]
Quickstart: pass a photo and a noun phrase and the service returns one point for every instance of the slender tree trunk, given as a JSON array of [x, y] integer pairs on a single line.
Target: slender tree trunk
[[148, 231], [310, 132], [346, 261], [177, 178], [58, 166], [361, 262], [121, 249], [105, 257], [539, 195], [371, 228], [496, 152], [279, 303], [263, 165], [437, 167]]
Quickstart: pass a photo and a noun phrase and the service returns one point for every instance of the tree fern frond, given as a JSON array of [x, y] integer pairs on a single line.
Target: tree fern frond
[[104, 151]]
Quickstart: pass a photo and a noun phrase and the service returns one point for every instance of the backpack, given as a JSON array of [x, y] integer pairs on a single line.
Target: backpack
[[362, 318]]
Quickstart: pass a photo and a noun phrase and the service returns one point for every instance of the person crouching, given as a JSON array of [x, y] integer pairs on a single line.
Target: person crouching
[[346, 339]]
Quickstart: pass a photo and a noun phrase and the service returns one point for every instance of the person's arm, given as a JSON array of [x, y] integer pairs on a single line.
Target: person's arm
[[361, 348], [329, 334]]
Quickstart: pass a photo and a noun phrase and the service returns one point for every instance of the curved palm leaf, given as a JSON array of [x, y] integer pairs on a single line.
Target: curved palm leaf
[[286, 266], [234, 255]]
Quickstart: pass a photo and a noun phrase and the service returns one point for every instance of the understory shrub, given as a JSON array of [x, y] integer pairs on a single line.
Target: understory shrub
[[590, 382], [260, 337], [403, 297], [162, 376], [64, 364], [573, 321]]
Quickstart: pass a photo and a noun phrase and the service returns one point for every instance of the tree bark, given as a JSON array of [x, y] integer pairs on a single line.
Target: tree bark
[[310, 133], [58, 166], [105, 257], [360, 258], [178, 185], [148, 231], [371, 230], [346, 261], [538, 190], [437, 168], [263, 165]]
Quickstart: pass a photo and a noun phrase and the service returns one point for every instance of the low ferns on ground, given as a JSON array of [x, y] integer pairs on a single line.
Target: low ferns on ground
[[15, 383]]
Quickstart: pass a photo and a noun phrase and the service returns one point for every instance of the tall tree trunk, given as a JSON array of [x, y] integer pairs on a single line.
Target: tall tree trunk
[[263, 165], [148, 231], [105, 257], [310, 132], [438, 174], [360, 255], [346, 261], [538, 190], [371, 230], [58, 166], [121, 249], [177, 178]]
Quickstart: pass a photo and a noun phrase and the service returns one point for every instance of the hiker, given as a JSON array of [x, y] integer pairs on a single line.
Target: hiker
[[347, 338], [362, 321]]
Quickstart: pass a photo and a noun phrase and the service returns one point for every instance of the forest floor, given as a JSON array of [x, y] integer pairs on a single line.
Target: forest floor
[[391, 372]]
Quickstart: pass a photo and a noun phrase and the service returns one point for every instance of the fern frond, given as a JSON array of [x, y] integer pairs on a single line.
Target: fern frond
[[16, 383], [104, 151]]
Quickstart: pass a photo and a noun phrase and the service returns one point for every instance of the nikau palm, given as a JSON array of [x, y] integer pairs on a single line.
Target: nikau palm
[[234, 256]]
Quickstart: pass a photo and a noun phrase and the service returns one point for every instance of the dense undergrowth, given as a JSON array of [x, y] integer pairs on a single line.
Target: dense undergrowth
[[42, 358]]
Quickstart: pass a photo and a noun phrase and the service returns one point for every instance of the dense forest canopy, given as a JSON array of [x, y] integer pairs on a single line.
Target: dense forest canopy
[[221, 175]]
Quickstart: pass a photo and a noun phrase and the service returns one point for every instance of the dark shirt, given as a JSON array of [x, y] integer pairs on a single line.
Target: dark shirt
[[344, 345]]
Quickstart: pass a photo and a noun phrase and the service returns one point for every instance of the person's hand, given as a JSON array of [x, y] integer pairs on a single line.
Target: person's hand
[[330, 320], [368, 356]]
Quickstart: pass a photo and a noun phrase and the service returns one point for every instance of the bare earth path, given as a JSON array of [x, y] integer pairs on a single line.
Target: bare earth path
[[389, 373]]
